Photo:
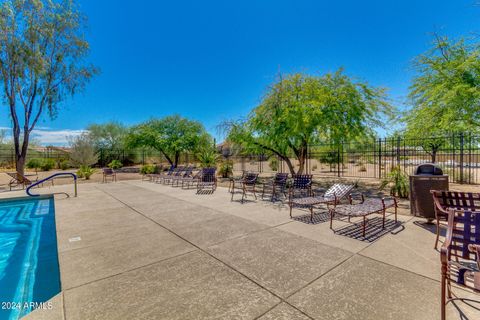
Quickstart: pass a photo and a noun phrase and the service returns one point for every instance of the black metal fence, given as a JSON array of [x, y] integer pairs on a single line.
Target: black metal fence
[[458, 155]]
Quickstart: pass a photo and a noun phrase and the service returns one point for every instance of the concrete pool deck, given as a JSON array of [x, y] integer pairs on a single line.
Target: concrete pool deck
[[151, 251]]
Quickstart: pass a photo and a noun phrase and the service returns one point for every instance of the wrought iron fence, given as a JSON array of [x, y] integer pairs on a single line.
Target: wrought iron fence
[[458, 155]]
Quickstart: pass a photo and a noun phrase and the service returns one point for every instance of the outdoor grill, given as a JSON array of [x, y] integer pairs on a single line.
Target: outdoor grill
[[426, 177]]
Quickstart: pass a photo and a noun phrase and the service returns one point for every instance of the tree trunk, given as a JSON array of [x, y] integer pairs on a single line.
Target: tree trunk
[[20, 164], [302, 157], [289, 165], [177, 158], [434, 155]]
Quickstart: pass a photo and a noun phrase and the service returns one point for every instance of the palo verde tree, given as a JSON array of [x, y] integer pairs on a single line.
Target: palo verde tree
[[445, 94], [300, 109], [171, 136], [42, 51], [108, 136]]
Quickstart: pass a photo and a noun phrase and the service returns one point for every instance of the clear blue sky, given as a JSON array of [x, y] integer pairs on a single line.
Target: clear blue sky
[[212, 60]]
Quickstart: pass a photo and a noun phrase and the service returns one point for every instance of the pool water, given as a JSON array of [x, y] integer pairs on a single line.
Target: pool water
[[29, 272]]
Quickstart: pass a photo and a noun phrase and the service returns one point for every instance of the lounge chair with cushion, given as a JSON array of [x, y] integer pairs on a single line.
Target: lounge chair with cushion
[[460, 257], [277, 185], [246, 185]]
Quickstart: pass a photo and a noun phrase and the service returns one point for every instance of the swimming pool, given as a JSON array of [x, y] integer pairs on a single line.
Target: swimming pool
[[29, 272]]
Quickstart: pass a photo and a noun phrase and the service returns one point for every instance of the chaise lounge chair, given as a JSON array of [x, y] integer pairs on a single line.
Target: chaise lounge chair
[[169, 174], [186, 174], [364, 209], [18, 179], [332, 196]]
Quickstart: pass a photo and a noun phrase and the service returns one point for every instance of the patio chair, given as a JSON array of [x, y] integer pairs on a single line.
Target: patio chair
[[18, 179], [108, 172], [276, 185], [445, 201], [207, 179], [247, 184], [237, 180], [460, 257], [364, 209]]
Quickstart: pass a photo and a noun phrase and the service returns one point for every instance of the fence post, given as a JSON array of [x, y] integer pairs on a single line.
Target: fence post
[[398, 151], [462, 144], [338, 160], [380, 158]]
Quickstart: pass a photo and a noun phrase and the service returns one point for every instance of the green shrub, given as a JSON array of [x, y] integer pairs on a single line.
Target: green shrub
[[273, 163], [64, 165], [115, 164], [34, 163], [226, 169], [47, 164], [397, 180], [148, 169], [85, 172]]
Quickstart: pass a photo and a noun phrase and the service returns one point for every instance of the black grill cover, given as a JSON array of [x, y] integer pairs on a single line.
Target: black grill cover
[[428, 169]]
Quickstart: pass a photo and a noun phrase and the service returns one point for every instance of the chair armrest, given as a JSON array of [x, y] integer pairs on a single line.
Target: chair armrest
[[475, 248], [250, 180], [445, 249]]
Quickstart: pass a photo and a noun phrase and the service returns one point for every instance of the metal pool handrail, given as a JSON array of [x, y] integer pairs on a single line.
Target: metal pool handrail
[[74, 176]]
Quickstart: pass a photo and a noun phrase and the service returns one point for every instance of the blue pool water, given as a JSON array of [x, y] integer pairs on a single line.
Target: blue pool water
[[29, 273]]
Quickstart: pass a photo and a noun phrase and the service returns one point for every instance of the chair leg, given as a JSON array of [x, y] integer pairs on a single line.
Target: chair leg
[[331, 218], [443, 301], [383, 221], [396, 209], [311, 214], [364, 225], [438, 234]]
